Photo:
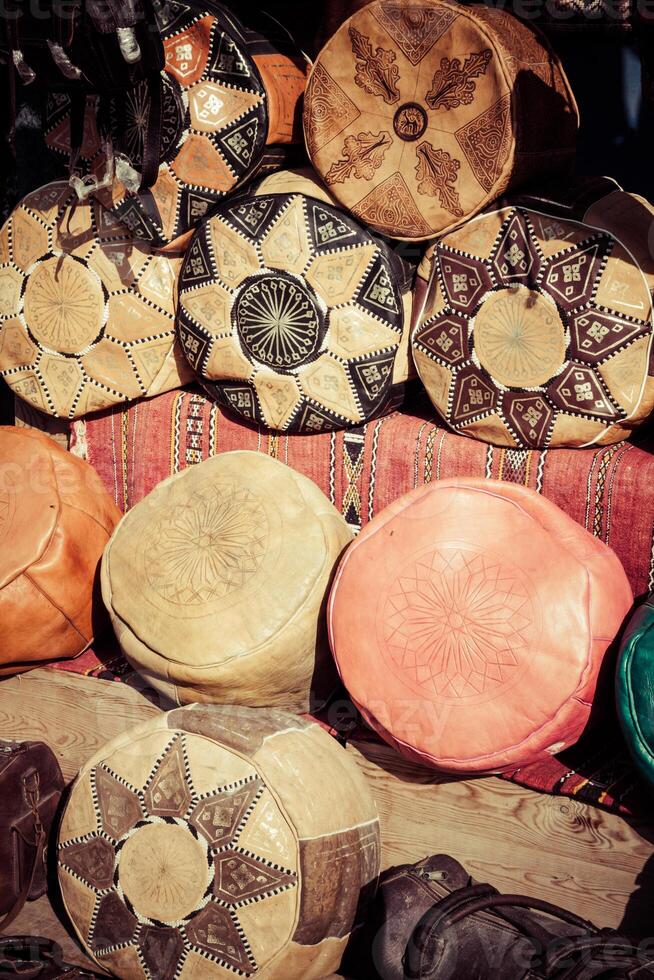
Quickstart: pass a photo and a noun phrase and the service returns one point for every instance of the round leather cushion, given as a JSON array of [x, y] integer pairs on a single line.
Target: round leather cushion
[[469, 621], [216, 583], [229, 99], [634, 687], [86, 312], [293, 315], [417, 115], [218, 841], [537, 332], [55, 520]]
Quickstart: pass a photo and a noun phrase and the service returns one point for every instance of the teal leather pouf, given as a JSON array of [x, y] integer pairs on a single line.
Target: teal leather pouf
[[635, 687]]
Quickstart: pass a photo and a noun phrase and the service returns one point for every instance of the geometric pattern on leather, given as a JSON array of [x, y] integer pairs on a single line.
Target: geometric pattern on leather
[[413, 113], [291, 313], [553, 319], [86, 314], [215, 118], [173, 877]]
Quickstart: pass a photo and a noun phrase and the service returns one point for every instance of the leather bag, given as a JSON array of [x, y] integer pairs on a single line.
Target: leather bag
[[31, 785], [37, 958], [432, 921]]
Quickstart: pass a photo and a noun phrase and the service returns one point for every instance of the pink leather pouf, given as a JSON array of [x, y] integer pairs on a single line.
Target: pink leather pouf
[[469, 621]]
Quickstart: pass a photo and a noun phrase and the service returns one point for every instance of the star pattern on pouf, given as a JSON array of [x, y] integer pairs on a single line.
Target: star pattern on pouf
[[166, 868], [291, 314], [457, 623], [522, 334]]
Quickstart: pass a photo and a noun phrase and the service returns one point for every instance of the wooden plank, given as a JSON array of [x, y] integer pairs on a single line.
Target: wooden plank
[[521, 841]]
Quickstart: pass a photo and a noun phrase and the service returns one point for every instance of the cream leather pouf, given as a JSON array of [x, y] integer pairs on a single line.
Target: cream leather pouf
[[216, 583], [214, 842]]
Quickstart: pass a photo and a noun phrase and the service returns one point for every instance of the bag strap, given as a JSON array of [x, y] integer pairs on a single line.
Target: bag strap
[[32, 796]]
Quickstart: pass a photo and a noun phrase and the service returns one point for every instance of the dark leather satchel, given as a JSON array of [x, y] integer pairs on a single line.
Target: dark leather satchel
[[431, 921], [31, 785]]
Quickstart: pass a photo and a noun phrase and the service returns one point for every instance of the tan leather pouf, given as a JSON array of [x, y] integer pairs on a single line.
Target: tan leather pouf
[[292, 314], [214, 842], [470, 620], [418, 113], [55, 520], [230, 95], [216, 583], [537, 329], [86, 312]]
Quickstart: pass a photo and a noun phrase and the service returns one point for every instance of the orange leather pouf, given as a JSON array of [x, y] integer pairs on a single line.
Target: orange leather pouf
[[469, 622], [418, 113], [55, 519]]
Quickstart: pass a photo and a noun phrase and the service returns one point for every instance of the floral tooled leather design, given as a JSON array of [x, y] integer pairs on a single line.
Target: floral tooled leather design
[[453, 84]]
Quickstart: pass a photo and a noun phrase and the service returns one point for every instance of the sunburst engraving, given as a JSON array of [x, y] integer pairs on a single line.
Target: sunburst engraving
[[205, 549], [64, 304], [458, 623], [278, 321]]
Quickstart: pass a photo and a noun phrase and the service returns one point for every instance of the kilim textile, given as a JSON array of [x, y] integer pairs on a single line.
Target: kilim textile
[[609, 491]]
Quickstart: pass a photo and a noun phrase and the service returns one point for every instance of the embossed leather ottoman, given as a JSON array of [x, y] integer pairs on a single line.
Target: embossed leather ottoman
[[537, 330], [216, 841], [419, 114], [86, 312], [469, 621], [55, 520], [634, 681], [292, 314], [230, 96], [216, 584]]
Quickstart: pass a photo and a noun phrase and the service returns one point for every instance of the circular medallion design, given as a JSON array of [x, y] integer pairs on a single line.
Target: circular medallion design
[[208, 547], [163, 871], [519, 337], [137, 115], [410, 121], [278, 321], [64, 304], [457, 623]]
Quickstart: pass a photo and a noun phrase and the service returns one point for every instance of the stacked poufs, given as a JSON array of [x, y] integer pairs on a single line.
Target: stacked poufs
[[418, 115], [292, 314], [537, 330], [219, 841], [469, 621], [216, 584], [634, 680], [229, 100], [55, 520], [86, 311]]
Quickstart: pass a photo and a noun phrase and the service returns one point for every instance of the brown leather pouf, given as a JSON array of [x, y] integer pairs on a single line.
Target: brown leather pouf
[[418, 113], [86, 311], [216, 584], [537, 329], [55, 520], [214, 842], [292, 314], [230, 96]]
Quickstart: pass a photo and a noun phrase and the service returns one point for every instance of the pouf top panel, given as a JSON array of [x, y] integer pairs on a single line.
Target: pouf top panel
[[185, 846], [537, 332], [480, 625], [292, 313], [86, 312], [412, 112], [232, 545]]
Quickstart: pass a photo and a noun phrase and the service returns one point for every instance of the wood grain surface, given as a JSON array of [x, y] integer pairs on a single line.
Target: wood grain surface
[[595, 863]]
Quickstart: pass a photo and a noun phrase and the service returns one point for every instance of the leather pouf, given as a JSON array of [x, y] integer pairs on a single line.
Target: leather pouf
[[216, 583], [537, 330], [469, 621], [86, 312], [634, 679], [217, 841], [230, 96], [418, 113], [55, 520], [292, 314]]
